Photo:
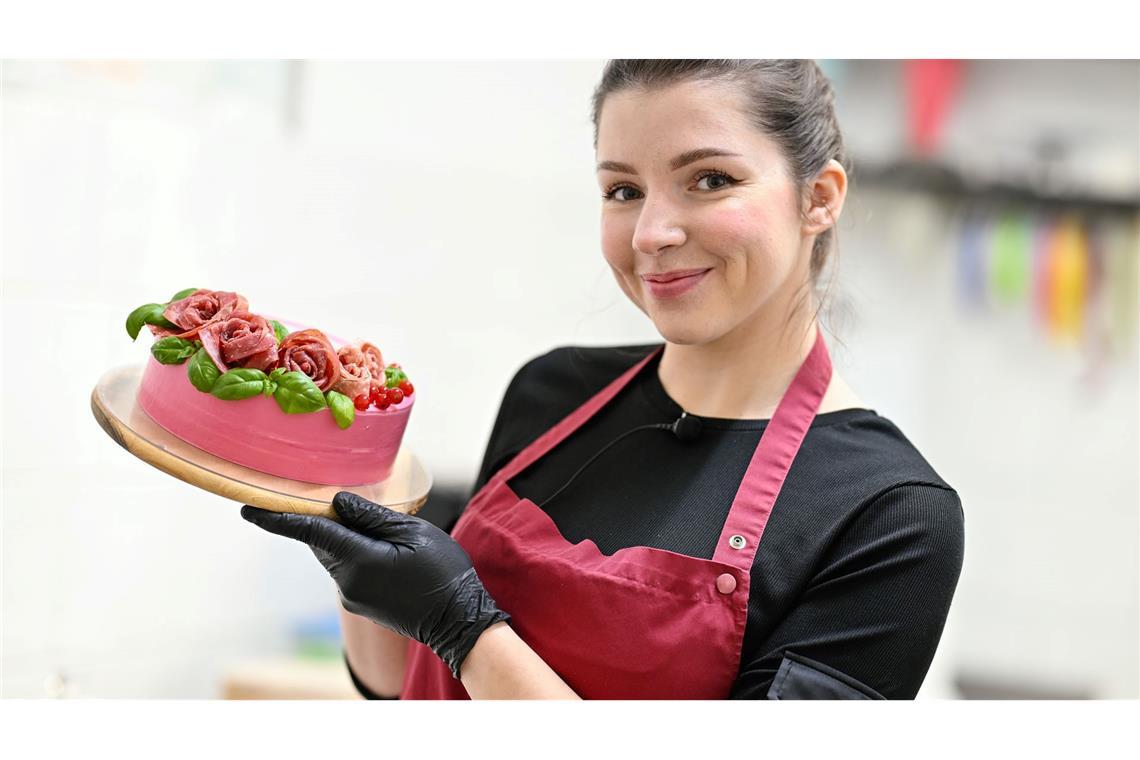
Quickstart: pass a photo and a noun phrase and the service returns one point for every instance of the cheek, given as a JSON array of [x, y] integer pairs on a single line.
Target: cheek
[[751, 237], [744, 224], [617, 243]]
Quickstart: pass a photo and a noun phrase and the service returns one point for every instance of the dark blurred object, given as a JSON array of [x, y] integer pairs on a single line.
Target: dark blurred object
[[939, 179], [989, 686], [444, 504]]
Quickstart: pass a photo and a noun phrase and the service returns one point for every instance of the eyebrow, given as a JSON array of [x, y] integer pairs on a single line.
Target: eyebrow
[[684, 159]]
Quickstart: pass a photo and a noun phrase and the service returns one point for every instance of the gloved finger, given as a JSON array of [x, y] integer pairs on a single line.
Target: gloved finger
[[318, 532], [372, 519], [328, 561]]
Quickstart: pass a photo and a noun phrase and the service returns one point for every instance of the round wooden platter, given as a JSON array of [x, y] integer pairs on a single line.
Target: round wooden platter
[[113, 402]]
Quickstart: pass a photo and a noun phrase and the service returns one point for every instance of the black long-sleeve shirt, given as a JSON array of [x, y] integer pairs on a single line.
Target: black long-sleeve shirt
[[853, 578]]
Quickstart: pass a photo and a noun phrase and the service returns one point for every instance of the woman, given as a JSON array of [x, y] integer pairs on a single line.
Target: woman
[[617, 522]]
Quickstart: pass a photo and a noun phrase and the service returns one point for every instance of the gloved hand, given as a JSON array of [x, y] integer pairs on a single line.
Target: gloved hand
[[397, 570]]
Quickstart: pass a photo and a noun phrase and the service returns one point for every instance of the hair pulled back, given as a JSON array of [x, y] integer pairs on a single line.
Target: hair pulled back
[[790, 101]]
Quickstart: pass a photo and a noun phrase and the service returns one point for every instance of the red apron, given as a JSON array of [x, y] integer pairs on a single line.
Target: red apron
[[643, 623]]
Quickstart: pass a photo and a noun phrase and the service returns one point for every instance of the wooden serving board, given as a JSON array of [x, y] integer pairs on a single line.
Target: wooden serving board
[[113, 402]]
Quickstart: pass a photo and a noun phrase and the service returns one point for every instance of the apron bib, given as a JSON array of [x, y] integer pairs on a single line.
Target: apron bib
[[643, 623]]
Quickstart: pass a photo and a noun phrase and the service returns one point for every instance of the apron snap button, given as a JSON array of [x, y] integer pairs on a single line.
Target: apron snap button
[[726, 583], [737, 542]]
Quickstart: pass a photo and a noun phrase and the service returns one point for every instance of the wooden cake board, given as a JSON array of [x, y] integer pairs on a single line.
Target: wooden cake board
[[114, 404]]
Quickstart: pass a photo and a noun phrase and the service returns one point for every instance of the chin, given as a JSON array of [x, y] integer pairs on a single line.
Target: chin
[[684, 333]]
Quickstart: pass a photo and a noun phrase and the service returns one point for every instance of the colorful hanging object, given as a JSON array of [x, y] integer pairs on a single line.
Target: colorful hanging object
[[1009, 261], [1122, 283], [971, 269], [1066, 279], [1043, 236], [931, 87]]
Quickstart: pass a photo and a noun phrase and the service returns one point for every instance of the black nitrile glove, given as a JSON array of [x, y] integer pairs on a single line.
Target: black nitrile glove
[[397, 570]]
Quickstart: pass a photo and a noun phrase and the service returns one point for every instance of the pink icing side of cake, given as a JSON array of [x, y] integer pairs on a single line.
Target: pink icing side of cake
[[255, 433]]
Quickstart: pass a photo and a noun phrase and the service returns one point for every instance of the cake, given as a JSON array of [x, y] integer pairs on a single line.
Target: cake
[[269, 394]]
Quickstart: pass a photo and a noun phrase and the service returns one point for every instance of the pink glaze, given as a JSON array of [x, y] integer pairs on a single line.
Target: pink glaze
[[255, 433]]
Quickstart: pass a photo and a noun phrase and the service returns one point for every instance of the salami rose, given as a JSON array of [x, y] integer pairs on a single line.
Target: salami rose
[[198, 309], [310, 351], [375, 362], [240, 339], [356, 377]]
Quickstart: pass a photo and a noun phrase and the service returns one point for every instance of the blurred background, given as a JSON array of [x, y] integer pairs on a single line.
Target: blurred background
[[985, 301]]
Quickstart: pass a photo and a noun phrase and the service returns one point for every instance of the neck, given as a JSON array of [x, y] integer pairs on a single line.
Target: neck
[[739, 376]]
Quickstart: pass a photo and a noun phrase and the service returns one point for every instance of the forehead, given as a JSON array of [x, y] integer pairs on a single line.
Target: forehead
[[657, 124]]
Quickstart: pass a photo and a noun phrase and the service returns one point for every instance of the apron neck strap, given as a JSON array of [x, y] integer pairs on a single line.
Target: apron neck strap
[[773, 458]]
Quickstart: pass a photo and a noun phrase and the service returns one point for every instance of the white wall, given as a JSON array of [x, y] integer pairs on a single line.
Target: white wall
[[444, 211], [448, 212]]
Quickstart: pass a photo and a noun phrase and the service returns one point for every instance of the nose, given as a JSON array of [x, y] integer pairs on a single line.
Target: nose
[[658, 227]]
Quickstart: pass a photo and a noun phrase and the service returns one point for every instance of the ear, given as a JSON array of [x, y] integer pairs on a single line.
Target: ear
[[826, 194]]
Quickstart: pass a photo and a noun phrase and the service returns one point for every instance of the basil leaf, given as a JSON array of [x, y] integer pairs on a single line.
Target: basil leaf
[[180, 295], [279, 330], [239, 383], [145, 315], [342, 408], [393, 376], [202, 370], [277, 373], [172, 350], [297, 393], [269, 389]]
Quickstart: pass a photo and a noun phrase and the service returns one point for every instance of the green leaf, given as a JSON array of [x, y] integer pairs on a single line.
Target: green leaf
[[148, 314], [342, 409], [277, 373], [239, 383], [172, 350], [180, 295], [203, 372], [269, 389], [141, 316], [297, 393], [279, 329], [393, 376]]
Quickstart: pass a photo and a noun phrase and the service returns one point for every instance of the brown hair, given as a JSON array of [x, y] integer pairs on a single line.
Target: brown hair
[[790, 101]]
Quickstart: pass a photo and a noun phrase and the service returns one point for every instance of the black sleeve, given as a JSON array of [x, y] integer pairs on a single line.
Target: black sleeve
[[360, 687], [868, 623]]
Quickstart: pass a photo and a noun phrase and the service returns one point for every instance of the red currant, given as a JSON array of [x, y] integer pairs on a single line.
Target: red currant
[[407, 387], [377, 394], [395, 395], [361, 402], [383, 403]]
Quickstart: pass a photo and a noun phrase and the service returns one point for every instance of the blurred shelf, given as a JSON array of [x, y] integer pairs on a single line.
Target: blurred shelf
[[940, 179]]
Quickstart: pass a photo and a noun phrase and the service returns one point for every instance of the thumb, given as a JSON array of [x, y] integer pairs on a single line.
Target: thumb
[[318, 532], [372, 519]]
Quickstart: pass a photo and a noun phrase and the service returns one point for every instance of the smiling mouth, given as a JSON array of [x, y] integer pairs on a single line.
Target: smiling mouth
[[675, 284], [677, 274]]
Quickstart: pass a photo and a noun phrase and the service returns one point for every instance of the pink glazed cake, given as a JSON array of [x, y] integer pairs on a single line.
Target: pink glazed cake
[[256, 433]]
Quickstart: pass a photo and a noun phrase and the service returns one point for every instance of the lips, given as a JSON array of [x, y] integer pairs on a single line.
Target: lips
[[674, 284], [676, 274]]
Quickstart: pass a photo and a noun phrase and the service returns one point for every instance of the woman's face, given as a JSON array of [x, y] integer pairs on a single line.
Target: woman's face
[[705, 245]]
